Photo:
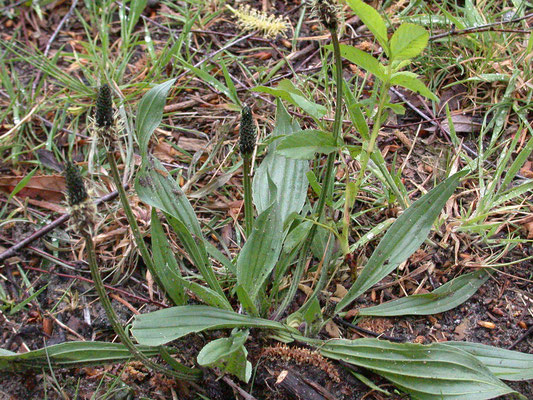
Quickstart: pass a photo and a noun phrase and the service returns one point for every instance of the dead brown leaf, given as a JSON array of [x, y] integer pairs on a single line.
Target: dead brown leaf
[[40, 187]]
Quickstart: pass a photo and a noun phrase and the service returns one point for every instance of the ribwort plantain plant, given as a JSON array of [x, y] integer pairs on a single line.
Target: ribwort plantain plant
[[282, 235], [292, 230]]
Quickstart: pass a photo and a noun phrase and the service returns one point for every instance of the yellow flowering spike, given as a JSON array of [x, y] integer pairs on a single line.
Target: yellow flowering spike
[[250, 19]]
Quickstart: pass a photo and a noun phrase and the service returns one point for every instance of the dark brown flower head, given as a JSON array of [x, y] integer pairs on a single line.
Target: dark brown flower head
[[328, 13], [82, 208], [75, 187], [104, 107], [247, 132]]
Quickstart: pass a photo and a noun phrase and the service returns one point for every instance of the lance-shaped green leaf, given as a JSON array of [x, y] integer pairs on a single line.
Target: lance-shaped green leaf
[[290, 93], [228, 354], [163, 326], [305, 144], [408, 41], [165, 264], [156, 187], [425, 372], [260, 252], [150, 113], [446, 297], [505, 364], [288, 175], [403, 238], [70, 354], [410, 80], [372, 21]]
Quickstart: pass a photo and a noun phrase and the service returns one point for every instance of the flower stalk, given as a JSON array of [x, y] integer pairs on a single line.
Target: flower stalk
[[83, 221], [247, 145], [330, 21], [105, 130]]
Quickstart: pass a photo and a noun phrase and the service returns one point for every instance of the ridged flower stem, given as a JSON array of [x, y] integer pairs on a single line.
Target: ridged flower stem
[[373, 137], [115, 323], [328, 179], [247, 183], [139, 240]]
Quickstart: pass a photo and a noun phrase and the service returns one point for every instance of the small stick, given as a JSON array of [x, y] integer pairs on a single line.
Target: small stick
[[115, 289], [525, 335], [51, 226], [480, 28], [368, 332], [236, 387], [51, 40]]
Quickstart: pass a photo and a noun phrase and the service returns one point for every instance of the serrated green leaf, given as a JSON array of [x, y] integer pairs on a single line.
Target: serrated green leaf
[[408, 41], [363, 60], [160, 327], [261, 251], [426, 372], [150, 113], [403, 238], [372, 21], [289, 175], [304, 145], [446, 297], [290, 93], [410, 81], [505, 364]]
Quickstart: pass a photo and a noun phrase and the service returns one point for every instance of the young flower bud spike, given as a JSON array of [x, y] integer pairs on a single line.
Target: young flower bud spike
[[247, 132], [82, 208], [106, 128], [75, 187], [104, 107]]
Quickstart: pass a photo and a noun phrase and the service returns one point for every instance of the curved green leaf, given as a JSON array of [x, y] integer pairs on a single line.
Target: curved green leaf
[[363, 60], [505, 364], [150, 113], [403, 238], [70, 354], [228, 354], [446, 297], [372, 21], [409, 80], [426, 372], [163, 326], [290, 93], [165, 264], [155, 187], [260, 252], [288, 175], [304, 145]]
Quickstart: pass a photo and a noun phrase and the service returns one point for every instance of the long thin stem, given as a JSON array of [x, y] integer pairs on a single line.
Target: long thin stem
[[328, 180], [129, 215], [247, 183], [115, 323]]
